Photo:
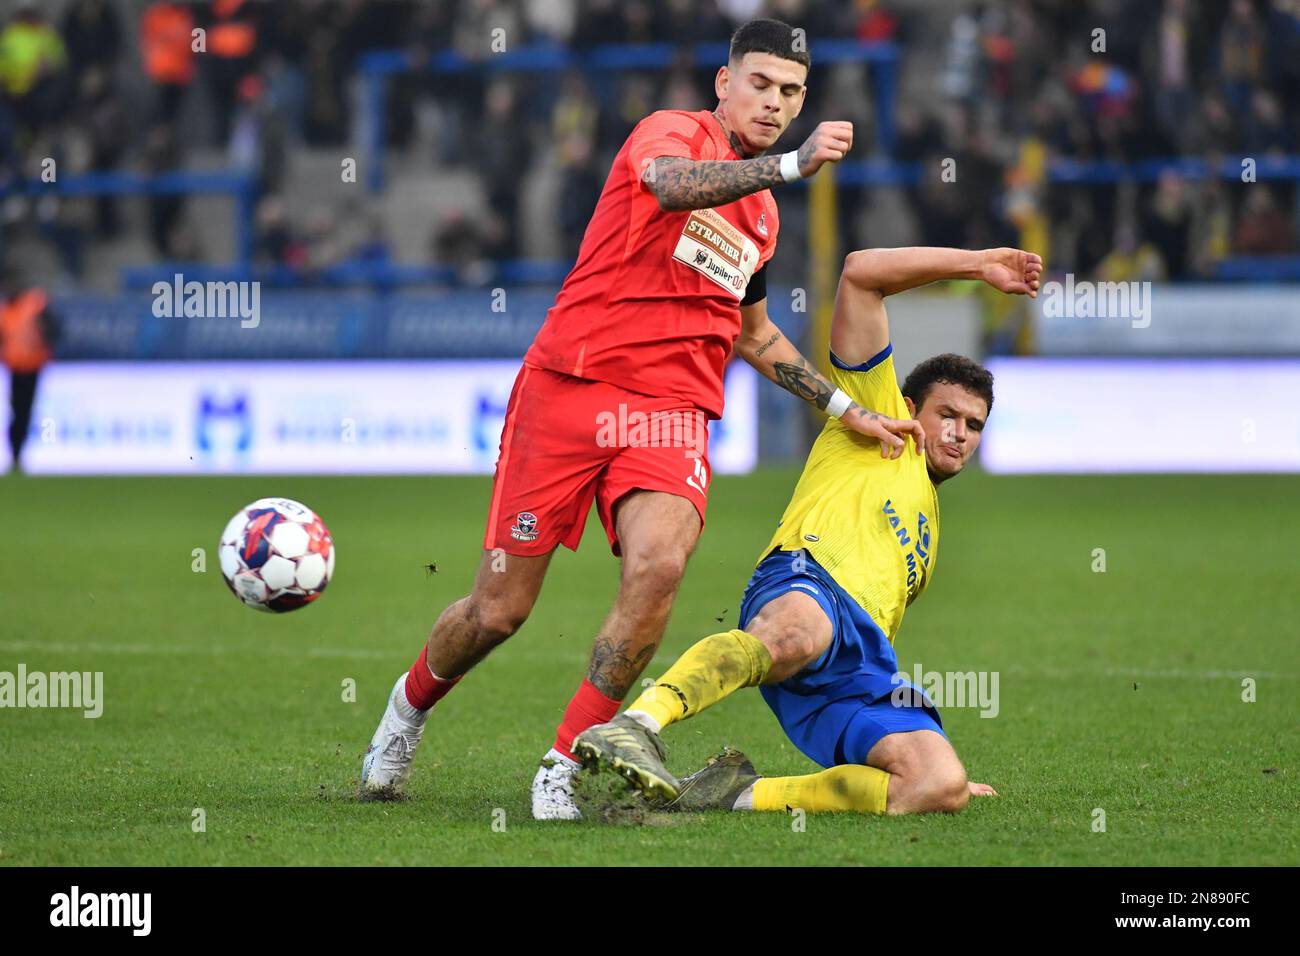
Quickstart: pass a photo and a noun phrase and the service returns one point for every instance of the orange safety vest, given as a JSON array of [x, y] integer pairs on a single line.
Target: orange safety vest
[[22, 345], [165, 38], [229, 37]]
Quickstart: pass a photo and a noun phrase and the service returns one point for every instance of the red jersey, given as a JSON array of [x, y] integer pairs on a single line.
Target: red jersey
[[653, 302]]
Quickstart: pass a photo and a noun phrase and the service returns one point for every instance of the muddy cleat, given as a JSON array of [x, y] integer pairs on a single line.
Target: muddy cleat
[[718, 785], [552, 790], [628, 748], [387, 764]]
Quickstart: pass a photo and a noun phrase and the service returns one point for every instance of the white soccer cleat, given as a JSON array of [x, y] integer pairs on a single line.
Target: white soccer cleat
[[387, 764], [552, 790]]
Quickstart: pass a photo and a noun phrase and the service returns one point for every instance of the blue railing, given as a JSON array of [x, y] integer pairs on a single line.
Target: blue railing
[[239, 185], [1259, 269], [381, 275]]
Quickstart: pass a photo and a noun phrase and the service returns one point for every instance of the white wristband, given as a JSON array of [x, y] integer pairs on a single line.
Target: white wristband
[[839, 403], [790, 166]]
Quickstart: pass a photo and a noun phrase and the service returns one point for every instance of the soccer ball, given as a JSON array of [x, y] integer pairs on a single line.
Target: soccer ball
[[276, 555]]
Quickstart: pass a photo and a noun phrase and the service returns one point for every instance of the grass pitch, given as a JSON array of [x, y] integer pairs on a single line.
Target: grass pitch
[[1119, 691]]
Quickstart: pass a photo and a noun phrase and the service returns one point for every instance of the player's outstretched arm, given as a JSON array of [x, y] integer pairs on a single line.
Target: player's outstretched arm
[[680, 183], [860, 327], [762, 345]]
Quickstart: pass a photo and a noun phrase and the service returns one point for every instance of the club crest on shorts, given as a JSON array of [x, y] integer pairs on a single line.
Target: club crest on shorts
[[761, 225], [525, 528]]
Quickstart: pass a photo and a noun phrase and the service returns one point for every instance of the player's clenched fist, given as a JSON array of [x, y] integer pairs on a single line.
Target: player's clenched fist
[[829, 143]]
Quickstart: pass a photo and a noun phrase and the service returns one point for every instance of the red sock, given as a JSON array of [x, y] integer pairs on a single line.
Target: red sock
[[423, 690], [588, 708]]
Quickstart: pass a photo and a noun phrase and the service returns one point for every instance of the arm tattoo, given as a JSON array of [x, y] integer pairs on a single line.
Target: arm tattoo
[[857, 411], [611, 671], [800, 378], [682, 184], [767, 345], [803, 380]]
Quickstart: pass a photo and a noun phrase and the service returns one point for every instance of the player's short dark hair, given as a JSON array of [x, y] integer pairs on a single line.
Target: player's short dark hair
[[952, 368], [769, 36]]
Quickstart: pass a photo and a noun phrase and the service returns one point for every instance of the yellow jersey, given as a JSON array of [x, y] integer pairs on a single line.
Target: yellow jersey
[[871, 523]]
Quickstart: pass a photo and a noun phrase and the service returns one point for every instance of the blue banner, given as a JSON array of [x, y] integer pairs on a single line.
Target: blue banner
[[478, 323]]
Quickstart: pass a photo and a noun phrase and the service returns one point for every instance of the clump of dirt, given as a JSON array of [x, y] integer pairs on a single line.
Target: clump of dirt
[[607, 799]]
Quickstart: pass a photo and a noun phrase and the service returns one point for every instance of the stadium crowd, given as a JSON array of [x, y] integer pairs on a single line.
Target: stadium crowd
[[1004, 88]]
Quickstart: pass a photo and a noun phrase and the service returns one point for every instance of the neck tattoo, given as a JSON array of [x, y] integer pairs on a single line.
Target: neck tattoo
[[732, 138]]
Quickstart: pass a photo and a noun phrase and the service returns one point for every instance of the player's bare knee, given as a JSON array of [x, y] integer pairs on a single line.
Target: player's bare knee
[[791, 646], [494, 620], [795, 632], [657, 571]]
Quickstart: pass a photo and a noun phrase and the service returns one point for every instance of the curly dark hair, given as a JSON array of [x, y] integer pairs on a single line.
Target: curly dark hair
[[949, 367], [767, 36]]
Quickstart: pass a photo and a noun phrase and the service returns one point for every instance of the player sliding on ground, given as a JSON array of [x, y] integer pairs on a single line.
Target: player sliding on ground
[[669, 280], [856, 545]]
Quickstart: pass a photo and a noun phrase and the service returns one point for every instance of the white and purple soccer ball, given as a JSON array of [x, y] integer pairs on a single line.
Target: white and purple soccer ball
[[276, 555]]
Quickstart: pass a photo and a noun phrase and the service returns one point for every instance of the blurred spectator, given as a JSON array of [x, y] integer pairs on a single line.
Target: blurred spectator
[[1211, 227], [258, 141], [458, 241], [28, 333], [162, 154], [876, 24], [1174, 96], [1241, 54], [961, 57], [1263, 229], [33, 61], [574, 122], [275, 242], [100, 115], [1169, 222], [326, 114], [92, 34], [1131, 260], [503, 148], [323, 242], [636, 98], [284, 47], [1265, 129], [480, 29], [231, 48], [166, 45]]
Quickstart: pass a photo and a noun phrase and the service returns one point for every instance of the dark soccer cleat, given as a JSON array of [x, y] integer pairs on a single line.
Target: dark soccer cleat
[[718, 785], [628, 748]]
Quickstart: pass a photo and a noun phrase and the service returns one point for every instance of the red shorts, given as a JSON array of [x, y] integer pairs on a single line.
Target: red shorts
[[568, 440]]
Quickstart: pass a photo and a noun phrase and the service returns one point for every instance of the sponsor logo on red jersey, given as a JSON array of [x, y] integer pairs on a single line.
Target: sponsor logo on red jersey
[[714, 247]]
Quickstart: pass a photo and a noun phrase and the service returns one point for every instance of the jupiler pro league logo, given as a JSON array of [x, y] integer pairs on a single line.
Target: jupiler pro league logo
[[525, 528]]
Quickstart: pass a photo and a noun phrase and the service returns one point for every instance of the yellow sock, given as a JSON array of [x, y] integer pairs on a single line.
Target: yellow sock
[[850, 787], [709, 671]]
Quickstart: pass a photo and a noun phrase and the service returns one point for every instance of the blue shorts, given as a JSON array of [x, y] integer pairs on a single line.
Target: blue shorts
[[839, 706]]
